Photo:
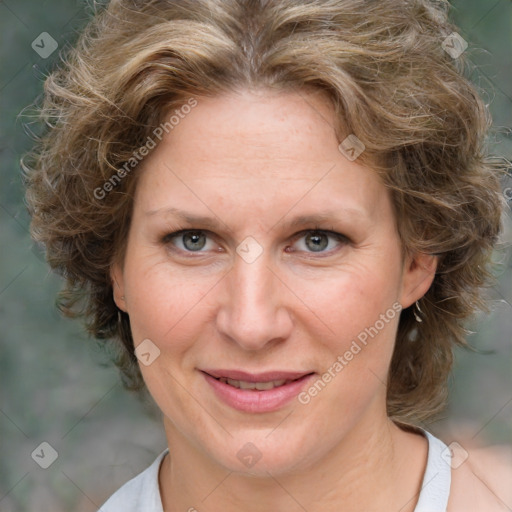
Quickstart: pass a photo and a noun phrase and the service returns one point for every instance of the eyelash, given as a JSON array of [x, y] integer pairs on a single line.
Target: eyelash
[[339, 237]]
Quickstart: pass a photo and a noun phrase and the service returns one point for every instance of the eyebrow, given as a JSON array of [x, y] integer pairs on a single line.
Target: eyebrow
[[322, 217], [208, 222], [301, 220]]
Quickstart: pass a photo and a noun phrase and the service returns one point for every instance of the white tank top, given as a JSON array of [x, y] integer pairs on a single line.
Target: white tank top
[[435, 488], [143, 494]]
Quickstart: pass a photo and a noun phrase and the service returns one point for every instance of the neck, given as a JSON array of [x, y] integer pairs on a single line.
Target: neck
[[377, 466]]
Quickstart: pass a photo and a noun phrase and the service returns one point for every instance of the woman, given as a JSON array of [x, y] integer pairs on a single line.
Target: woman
[[282, 213]]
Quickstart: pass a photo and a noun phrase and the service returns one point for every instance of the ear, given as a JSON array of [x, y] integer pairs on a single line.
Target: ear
[[116, 275], [418, 274]]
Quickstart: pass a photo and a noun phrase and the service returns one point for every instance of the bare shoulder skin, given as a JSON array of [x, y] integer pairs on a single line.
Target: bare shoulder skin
[[483, 482]]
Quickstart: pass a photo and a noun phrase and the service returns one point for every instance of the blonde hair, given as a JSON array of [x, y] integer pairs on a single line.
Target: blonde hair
[[391, 83]]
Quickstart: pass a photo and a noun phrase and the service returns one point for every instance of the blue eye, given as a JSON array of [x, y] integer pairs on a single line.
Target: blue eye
[[189, 241], [317, 241], [311, 241], [320, 241]]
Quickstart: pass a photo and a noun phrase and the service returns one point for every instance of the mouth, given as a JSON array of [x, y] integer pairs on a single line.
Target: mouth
[[260, 386], [260, 381], [263, 392]]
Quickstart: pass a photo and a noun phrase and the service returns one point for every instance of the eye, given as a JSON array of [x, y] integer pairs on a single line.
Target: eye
[[190, 241], [319, 241]]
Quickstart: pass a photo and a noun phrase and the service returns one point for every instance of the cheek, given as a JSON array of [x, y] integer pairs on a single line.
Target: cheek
[[352, 300], [171, 310], [360, 313], [166, 307]]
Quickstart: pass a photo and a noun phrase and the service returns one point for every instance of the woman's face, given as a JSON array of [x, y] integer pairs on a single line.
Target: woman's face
[[289, 265]]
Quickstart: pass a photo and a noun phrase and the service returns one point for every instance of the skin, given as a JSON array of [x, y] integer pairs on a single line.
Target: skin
[[482, 481], [252, 161]]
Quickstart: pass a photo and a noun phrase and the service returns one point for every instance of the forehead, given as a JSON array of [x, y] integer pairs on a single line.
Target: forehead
[[257, 128], [261, 147]]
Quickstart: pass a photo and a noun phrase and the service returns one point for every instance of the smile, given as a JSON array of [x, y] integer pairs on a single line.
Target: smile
[[261, 386], [252, 393]]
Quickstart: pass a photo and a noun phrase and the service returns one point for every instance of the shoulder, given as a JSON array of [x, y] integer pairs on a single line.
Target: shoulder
[[139, 493], [481, 479]]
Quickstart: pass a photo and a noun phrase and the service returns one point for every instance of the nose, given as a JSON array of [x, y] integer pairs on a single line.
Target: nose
[[254, 313]]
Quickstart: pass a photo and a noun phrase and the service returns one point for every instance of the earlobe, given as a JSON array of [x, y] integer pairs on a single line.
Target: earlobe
[[116, 276], [419, 273]]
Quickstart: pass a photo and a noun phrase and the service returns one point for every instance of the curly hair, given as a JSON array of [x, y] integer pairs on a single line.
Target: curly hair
[[385, 69]]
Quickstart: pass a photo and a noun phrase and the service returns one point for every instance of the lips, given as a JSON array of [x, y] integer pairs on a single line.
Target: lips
[[260, 386], [255, 377], [256, 393]]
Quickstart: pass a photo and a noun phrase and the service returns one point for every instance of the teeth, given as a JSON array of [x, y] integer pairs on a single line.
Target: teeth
[[260, 386]]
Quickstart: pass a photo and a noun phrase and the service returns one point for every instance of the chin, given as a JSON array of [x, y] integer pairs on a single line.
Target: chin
[[258, 453]]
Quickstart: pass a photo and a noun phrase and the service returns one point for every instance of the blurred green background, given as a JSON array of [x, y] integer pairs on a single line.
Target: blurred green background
[[55, 385]]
